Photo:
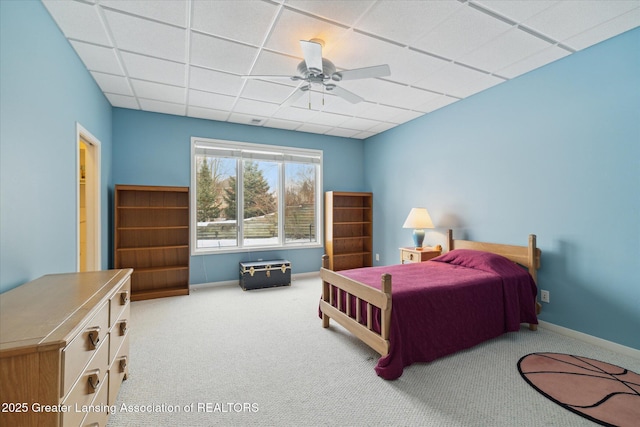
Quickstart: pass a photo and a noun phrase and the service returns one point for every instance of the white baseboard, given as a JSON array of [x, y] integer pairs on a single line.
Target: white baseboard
[[609, 345], [294, 277]]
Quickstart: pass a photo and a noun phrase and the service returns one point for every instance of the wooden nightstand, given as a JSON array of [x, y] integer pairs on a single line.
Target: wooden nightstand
[[419, 255]]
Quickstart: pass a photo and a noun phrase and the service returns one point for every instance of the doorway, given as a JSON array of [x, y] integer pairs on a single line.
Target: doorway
[[88, 201]]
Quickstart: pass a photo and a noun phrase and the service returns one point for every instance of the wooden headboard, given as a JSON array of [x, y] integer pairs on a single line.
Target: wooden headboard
[[527, 256]]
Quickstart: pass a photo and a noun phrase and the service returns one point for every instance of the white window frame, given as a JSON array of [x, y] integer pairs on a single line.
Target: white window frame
[[246, 150]]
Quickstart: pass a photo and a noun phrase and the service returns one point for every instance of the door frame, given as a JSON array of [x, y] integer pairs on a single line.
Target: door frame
[[92, 200]]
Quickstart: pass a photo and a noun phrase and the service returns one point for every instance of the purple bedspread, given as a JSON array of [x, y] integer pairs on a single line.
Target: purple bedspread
[[450, 303]]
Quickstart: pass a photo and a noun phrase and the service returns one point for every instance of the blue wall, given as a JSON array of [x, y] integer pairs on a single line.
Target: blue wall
[[45, 90], [155, 149], [555, 152]]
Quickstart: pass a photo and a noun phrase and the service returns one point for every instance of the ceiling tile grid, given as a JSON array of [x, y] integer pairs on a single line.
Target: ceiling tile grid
[[192, 57]]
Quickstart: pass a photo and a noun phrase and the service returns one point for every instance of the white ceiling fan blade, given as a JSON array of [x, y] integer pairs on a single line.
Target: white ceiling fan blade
[[312, 53], [344, 94], [271, 77], [362, 73], [295, 95]]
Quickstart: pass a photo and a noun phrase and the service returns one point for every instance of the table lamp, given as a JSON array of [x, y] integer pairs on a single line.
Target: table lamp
[[418, 219]]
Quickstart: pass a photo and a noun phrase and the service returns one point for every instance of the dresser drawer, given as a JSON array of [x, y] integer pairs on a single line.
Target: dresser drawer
[[119, 332], [87, 388], [83, 347], [118, 370], [99, 416], [119, 301]]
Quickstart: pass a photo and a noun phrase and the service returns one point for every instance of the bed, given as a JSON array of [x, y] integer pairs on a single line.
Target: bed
[[474, 292]]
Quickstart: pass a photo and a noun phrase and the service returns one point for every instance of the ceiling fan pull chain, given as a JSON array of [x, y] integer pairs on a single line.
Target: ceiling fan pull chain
[[309, 97]]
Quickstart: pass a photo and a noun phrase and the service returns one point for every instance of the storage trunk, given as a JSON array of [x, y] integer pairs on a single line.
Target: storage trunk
[[265, 274]]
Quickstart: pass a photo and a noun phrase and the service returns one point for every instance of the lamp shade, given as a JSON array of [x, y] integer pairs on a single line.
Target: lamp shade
[[418, 218]]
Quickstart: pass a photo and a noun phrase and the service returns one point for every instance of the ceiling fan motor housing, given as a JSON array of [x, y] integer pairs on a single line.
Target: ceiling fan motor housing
[[317, 76]]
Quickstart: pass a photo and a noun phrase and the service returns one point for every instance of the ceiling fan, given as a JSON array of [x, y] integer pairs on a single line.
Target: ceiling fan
[[318, 71]]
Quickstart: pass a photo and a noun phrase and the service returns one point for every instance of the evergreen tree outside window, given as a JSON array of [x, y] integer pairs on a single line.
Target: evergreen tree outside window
[[254, 196]]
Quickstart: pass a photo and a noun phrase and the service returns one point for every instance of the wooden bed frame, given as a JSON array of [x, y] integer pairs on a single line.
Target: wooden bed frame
[[528, 256]]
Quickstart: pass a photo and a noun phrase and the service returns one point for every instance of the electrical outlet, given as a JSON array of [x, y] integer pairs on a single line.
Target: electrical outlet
[[377, 257], [544, 296]]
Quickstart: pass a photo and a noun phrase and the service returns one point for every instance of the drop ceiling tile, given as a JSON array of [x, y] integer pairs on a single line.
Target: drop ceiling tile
[[314, 128], [148, 37], [344, 12], [356, 50], [282, 124], [243, 21], [206, 113], [122, 101], [337, 105], [267, 91], [295, 114], [292, 26], [508, 48], [257, 108], [380, 112], [79, 21], [388, 93], [532, 62], [381, 127], [154, 69], [170, 11], [162, 107], [112, 84], [461, 33], [219, 54], [436, 103], [215, 81], [98, 58], [405, 22], [329, 119], [247, 119], [210, 100], [516, 10], [567, 19], [345, 133], [450, 79], [408, 66], [605, 30], [271, 63], [406, 116], [364, 135], [359, 123], [478, 85], [160, 92]]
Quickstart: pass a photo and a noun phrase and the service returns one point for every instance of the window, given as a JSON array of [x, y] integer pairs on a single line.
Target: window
[[250, 196]]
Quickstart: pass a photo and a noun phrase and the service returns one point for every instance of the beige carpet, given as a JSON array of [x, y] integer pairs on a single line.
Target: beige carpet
[[225, 357]]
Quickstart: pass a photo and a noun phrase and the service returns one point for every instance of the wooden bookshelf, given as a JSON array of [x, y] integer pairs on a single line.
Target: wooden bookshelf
[[152, 237], [348, 229]]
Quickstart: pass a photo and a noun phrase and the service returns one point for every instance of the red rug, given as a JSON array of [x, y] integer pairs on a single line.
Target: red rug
[[603, 393]]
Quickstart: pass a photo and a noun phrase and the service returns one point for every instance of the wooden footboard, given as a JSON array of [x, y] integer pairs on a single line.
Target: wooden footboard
[[332, 283]]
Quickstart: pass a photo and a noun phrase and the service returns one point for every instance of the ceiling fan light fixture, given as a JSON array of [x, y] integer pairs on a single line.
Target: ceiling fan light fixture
[[336, 77]]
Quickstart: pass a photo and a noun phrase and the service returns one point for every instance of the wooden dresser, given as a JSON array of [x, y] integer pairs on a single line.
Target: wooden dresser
[[64, 348]]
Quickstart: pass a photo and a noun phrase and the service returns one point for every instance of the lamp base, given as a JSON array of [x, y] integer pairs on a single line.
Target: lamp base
[[418, 238]]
